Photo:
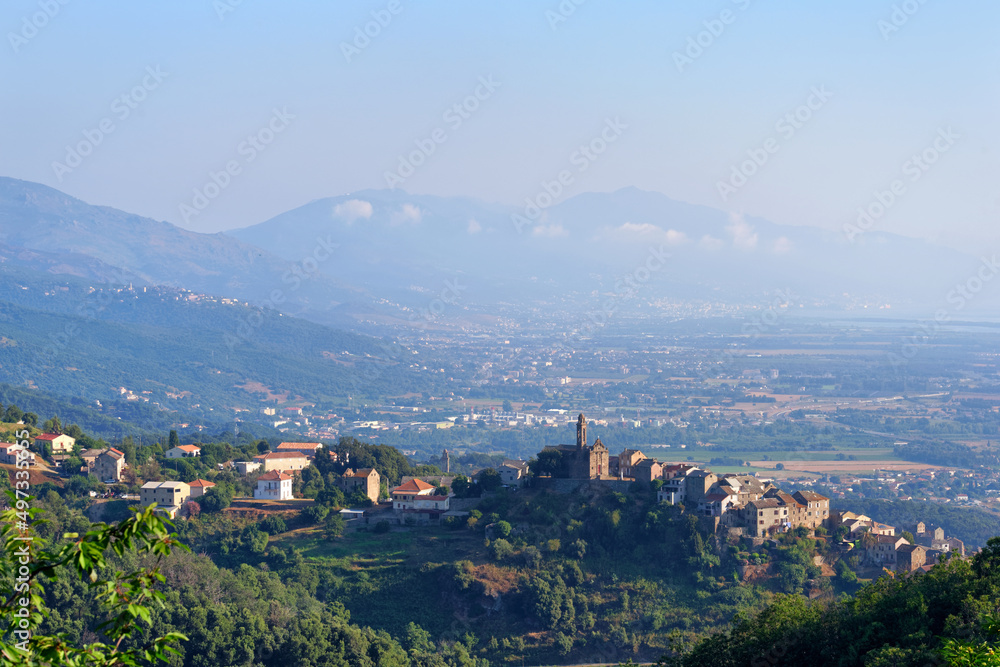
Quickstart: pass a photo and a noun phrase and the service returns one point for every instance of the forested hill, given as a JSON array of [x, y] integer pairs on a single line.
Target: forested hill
[[909, 621], [197, 356]]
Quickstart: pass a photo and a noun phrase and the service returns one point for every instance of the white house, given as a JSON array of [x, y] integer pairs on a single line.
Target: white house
[[273, 485], [513, 473], [9, 453], [60, 443], [183, 452]]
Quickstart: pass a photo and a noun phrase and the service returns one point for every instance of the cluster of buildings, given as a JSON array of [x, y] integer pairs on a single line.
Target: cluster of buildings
[[885, 546]]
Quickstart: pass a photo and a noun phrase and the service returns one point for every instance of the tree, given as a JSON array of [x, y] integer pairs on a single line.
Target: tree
[[215, 499], [13, 414], [507, 406], [908, 536], [30, 418], [334, 526], [173, 440], [490, 480], [501, 549], [52, 425], [502, 528], [125, 596]]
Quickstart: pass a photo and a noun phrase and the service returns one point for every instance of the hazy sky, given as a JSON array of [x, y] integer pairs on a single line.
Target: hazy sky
[[201, 78]]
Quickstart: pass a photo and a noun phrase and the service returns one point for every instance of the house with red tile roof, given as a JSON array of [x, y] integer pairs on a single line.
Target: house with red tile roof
[[109, 465], [200, 487], [283, 461], [183, 452], [273, 485], [366, 479], [60, 443], [418, 501]]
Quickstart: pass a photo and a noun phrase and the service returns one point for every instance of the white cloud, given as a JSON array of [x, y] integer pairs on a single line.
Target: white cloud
[[549, 231], [410, 213], [710, 243], [742, 232], [474, 226], [649, 233], [782, 245], [353, 209]]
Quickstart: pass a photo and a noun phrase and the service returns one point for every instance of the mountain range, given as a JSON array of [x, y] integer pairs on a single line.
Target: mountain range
[[379, 256]]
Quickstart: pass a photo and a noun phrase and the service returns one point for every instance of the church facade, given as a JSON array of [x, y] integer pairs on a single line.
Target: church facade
[[581, 461]]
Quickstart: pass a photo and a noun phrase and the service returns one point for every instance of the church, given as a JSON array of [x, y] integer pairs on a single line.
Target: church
[[580, 461]]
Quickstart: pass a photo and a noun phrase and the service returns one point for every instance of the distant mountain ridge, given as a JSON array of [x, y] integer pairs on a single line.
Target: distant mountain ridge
[[386, 255]]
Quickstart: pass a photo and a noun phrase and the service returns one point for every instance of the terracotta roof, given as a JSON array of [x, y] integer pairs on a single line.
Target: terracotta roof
[[361, 472], [203, 483], [274, 475], [113, 453], [300, 445], [810, 495], [49, 436], [413, 486], [279, 455]]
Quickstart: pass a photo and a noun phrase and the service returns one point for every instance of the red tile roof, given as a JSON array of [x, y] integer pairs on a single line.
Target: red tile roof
[[413, 486], [203, 483], [300, 445], [364, 472], [274, 475], [49, 436], [279, 455]]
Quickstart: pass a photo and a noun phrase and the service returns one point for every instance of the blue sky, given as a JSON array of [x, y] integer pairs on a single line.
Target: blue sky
[[226, 72]]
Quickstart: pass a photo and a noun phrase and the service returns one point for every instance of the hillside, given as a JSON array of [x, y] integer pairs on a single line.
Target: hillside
[[197, 358]]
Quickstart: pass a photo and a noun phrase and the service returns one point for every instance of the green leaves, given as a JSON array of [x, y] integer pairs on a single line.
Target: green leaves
[[126, 597]]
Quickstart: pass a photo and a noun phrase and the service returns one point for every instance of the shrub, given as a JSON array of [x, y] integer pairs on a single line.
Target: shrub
[[382, 526]]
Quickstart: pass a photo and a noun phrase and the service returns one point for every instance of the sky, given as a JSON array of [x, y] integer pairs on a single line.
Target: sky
[[219, 115]]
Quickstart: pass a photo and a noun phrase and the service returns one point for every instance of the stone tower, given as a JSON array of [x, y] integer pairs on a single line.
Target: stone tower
[[447, 461], [581, 432]]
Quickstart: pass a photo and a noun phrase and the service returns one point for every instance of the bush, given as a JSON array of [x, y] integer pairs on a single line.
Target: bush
[[273, 524], [501, 549], [382, 526], [315, 513], [502, 528], [334, 526]]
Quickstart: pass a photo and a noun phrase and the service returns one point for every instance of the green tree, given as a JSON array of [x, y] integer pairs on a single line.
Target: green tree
[[216, 499], [173, 440], [126, 597], [52, 425]]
